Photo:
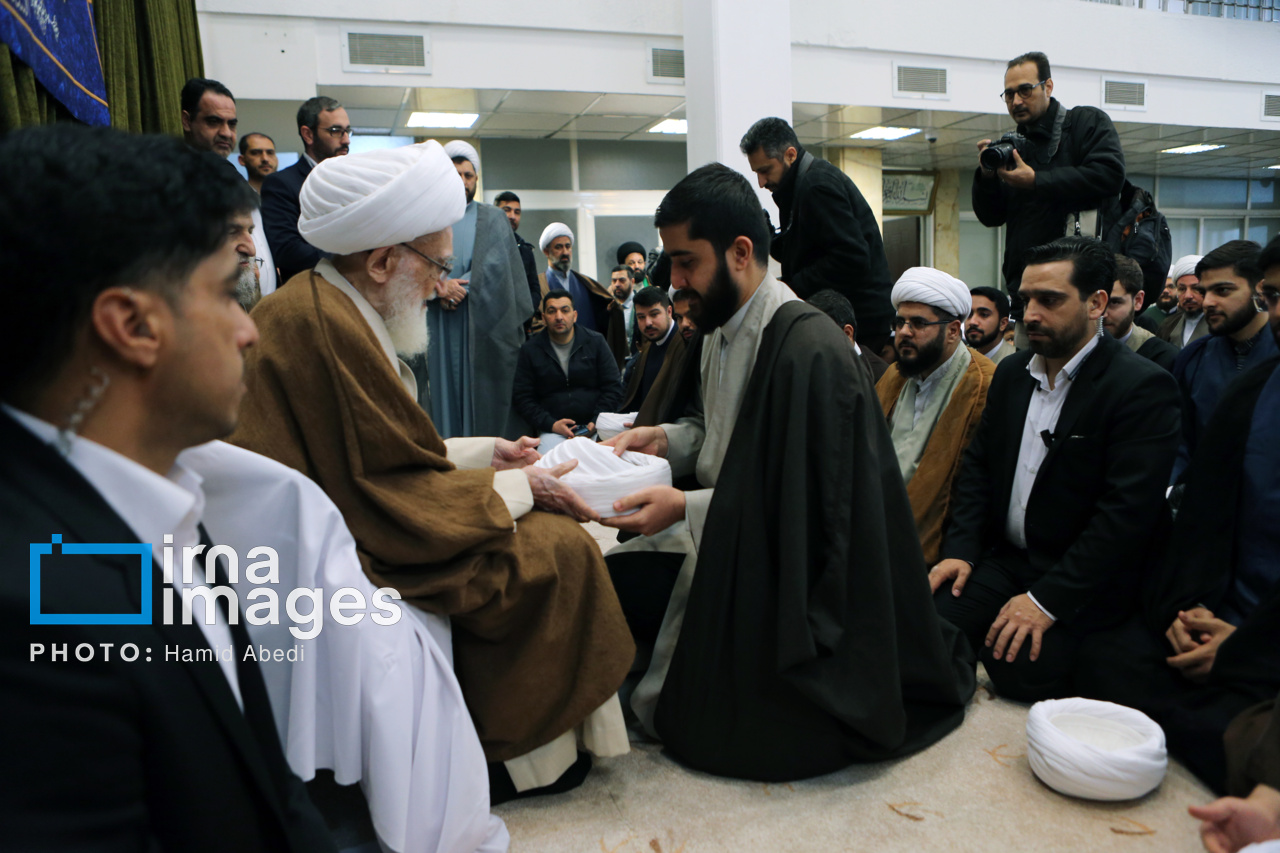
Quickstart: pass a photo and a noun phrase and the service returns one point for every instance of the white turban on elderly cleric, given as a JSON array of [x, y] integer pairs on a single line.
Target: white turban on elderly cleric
[[1185, 265], [457, 148], [551, 232], [933, 287], [380, 198]]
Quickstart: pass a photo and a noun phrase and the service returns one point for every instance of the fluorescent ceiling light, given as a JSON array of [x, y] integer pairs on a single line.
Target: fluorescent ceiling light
[[1276, 166], [1192, 149], [888, 134], [671, 125], [459, 121]]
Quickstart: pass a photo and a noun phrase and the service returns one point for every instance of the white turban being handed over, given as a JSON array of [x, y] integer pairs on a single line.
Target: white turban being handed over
[[380, 198], [933, 287], [458, 148], [1185, 265], [552, 231]]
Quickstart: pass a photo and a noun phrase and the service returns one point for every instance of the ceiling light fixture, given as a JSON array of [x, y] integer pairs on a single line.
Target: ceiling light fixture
[[888, 134], [1276, 166], [671, 125], [459, 121], [1192, 149]]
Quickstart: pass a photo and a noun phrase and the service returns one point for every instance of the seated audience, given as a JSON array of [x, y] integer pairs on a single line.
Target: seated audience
[[989, 323], [662, 354], [119, 355], [680, 314], [1061, 485], [933, 395], [1238, 338], [760, 666], [540, 645], [565, 375], [1122, 309], [1207, 645], [840, 310], [1188, 323], [677, 384]]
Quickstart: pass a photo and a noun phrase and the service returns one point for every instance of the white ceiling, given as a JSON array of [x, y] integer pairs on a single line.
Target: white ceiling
[[600, 115]]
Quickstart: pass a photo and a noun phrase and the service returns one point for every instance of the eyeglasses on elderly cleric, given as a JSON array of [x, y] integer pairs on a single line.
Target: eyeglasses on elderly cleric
[[445, 264], [917, 324], [1024, 91]]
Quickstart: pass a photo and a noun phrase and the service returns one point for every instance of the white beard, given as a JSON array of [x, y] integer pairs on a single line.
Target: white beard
[[406, 318]]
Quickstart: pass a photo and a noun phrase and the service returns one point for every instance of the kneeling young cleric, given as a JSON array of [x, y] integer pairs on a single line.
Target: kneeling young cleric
[[787, 600]]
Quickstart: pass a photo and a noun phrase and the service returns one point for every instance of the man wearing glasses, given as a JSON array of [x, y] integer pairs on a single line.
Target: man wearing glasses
[[326, 132], [933, 395], [1068, 160]]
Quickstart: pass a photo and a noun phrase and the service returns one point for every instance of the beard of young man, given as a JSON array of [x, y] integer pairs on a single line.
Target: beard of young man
[[406, 317], [1233, 322], [976, 339], [917, 358], [1059, 343], [719, 303]]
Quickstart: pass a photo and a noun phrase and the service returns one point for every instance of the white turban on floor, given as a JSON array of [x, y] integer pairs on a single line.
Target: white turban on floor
[[551, 232], [933, 287], [458, 148], [1185, 265], [380, 198], [1096, 750]]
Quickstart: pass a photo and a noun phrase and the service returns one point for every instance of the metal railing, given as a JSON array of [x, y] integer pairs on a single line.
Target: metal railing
[[1241, 10]]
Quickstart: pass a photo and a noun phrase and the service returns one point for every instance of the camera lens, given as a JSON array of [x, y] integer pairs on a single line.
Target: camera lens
[[996, 156]]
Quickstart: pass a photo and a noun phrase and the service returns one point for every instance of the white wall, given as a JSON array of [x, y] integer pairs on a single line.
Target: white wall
[[1200, 71]]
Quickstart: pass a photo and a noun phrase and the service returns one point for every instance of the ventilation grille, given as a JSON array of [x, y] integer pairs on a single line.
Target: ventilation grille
[[668, 63], [1120, 93], [402, 51], [1271, 106], [914, 80]]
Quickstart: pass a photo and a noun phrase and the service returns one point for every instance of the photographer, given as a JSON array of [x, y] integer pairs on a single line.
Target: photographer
[[1057, 163]]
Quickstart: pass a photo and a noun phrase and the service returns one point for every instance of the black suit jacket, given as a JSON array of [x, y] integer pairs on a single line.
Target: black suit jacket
[[112, 755], [280, 211], [1098, 498]]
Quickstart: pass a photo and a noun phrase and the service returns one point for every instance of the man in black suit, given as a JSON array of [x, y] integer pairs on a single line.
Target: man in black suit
[[326, 132], [120, 355], [1062, 484], [829, 238]]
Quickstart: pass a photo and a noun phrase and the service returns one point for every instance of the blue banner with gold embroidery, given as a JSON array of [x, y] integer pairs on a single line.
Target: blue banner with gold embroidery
[[56, 38]]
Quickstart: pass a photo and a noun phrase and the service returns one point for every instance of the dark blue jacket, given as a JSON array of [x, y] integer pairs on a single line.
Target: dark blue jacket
[[280, 211], [543, 394]]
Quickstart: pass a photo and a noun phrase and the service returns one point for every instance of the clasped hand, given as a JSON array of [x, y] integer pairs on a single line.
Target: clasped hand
[[1195, 636]]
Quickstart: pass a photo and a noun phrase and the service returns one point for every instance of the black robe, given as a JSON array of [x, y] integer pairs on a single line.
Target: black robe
[[810, 641]]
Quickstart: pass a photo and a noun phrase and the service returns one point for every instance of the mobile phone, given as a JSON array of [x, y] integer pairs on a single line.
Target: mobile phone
[[581, 429]]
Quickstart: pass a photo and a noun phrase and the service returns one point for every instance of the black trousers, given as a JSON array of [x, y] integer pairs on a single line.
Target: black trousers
[[644, 581], [997, 578], [1126, 665]]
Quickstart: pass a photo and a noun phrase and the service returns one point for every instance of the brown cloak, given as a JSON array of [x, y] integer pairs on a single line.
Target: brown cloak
[[539, 638], [930, 487]]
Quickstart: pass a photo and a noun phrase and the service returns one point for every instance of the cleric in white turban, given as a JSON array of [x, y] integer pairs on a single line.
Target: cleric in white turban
[[933, 395], [592, 302], [1189, 323], [329, 395]]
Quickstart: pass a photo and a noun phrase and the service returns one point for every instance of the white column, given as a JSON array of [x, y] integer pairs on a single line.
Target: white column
[[737, 69]]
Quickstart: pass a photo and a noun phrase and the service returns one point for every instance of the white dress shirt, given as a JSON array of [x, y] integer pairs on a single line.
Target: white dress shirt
[[152, 506], [1042, 416], [267, 272]]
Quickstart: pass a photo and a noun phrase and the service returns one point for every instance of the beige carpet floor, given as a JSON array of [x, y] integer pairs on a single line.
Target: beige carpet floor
[[973, 791]]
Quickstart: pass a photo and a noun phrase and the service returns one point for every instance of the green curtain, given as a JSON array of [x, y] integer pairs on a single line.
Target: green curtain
[[23, 100], [149, 49]]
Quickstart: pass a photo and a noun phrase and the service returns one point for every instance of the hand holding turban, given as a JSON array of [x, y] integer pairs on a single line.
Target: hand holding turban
[[458, 148], [551, 232], [933, 287], [380, 198]]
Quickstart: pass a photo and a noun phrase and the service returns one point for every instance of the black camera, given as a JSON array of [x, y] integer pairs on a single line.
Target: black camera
[[999, 154]]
